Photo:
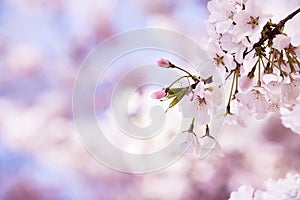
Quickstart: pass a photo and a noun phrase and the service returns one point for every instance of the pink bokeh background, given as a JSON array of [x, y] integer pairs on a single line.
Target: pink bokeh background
[[42, 45]]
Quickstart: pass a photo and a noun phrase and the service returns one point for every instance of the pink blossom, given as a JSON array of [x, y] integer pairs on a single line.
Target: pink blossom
[[245, 82], [238, 48], [221, 59], [248, 21], [188, 142], [235, 120], [222, 13], [203, 114], [197, 108], [240, 113], [159, 94], [164, 63], [290, 91], [281, 41], [255, 101]]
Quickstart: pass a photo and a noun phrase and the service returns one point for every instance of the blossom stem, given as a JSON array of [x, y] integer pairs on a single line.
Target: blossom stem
[[230, 94], [207, 133], [296, 60], [259, 66], [290, 61], [236, 84], [181, 69], [178, 80], [275, 31], [273, 64], [264, 65], [191, 129], [277, 28], [229, 74]]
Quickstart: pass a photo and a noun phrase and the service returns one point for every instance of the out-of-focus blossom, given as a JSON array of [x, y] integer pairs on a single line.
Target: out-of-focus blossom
[[245, 192], [287, 188]]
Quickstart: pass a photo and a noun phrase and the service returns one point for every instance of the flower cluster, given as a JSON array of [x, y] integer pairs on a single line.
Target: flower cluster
[[254, 57], [196, 101], [287, 188]]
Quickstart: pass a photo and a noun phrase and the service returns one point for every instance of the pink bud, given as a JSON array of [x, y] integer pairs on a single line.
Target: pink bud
[[164, 63], [159, 94]]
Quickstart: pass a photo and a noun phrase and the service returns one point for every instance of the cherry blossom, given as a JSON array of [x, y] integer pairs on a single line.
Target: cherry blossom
[[227, 44], [223, 61], [255, 101], [255, 60], [222, 13], [248, 21], [290, 91], [188, 142], [281, 41], [290, 119], [237, 115], [196, 108], [245, 82]]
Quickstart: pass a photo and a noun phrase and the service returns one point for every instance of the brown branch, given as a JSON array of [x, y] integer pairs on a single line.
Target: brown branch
[[276, 29]]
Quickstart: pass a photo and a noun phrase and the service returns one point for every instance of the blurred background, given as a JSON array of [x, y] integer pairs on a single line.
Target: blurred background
[[42, 45]]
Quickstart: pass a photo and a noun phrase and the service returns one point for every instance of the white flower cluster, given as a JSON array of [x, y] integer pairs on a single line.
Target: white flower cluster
[[282, 189], [257, 57], [234, 26], [254, 56], [198, 101]]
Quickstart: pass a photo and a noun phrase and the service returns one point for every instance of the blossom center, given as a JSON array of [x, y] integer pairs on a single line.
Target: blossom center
[[230, 15], [219, 60], [253, 22]]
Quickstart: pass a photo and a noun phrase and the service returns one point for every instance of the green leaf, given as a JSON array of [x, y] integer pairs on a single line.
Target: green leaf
[[178, 97], [173, 92]]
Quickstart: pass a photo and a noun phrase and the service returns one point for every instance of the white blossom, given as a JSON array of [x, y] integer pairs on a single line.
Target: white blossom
[[248, 21], [281, 41]]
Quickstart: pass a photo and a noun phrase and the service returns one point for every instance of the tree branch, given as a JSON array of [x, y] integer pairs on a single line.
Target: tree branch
[[277, 28]]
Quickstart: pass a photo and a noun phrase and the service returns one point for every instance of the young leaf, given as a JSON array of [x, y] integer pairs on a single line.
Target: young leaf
[[178, 97], [173, 92]]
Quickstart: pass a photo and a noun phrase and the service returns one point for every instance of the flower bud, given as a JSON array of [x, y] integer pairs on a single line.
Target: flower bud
[[164, 63], [159, 94]]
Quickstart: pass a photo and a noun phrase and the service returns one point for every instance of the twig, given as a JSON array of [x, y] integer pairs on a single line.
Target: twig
[[276, 29]]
